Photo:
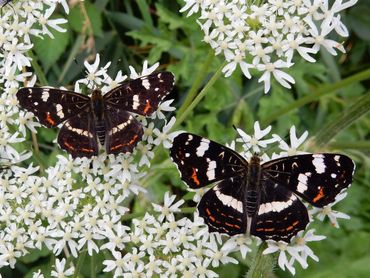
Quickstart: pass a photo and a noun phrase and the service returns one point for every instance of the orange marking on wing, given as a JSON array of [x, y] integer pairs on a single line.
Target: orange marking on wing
[[49, 119], [69, 146], [147, 106], [195, 177], [208, 212], [87, 150], [212, 218], [319, 195], [232, 225], [124, 144]]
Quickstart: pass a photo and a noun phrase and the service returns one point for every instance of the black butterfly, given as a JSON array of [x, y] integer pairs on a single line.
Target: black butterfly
[[104, 117], [254, 198]]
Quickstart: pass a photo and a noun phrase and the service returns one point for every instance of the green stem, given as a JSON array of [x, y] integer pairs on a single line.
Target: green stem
[[92, 266], [39, 72], [72, 54], [358, 145], [80, 263], [197, 82], [262, 265], [350, 115], [199, 97], [324, 90], [36, 152]]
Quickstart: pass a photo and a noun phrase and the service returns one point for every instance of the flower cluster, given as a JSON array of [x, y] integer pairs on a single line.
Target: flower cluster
[[70, 206], [265, 37]]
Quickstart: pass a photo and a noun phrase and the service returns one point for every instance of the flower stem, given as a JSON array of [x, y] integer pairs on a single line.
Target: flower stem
[[92, 266], [358, 145], [80, 263], [324, 90], [262, 265], [197, 82], [199, 97], [36, 151], [39, 72]]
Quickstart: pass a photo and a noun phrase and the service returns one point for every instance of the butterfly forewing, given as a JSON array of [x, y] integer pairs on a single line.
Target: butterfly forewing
[[317, 178], [123, 131], [202, 162], [52, 106], [142, 95], [78, 135]]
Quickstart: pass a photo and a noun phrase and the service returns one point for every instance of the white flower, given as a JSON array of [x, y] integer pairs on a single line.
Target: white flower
[[255, 141], [164, 136], [283, 248], [117, 265], [59, 271], [333, 215], [267, 35], [168, 207], [294, 141]]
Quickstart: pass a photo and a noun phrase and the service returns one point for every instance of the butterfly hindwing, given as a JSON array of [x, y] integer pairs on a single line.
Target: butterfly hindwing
[[51, 106], [142, 95], [280, 214], [78, 135], [222, 207], [123, 131], [202, 162], [317, 178]]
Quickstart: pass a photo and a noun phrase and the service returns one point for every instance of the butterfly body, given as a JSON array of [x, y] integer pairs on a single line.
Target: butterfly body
[[104, 119], [251, 197]]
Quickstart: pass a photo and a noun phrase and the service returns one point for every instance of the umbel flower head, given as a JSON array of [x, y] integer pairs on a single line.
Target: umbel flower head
[[70, 205], [266, 38]]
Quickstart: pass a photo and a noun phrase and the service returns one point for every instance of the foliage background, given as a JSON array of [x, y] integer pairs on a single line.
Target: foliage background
[[128, 32]]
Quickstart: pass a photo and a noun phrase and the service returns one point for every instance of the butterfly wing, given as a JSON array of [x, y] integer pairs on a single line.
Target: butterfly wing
[[51, 106], [202, 162], [280, 216], [123, 131], [317, 178], [142, 95], [78, 135], [222, 207]]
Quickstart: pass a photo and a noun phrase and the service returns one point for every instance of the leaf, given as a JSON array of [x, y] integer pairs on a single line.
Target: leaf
[[49, 50], [126, 20], [173, 19], [77, 20], [359, 20]]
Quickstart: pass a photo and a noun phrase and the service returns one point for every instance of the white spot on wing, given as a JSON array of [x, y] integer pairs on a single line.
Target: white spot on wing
[[211, 170], [136, 102], [229, 200], [60, 113], [79, 131], [45, 95], [302, 183], [276, 206], [204, 145], [318, 162], [145, 82]]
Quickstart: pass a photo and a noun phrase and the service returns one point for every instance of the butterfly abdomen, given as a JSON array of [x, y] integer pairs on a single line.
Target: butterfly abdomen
[[252, 195]]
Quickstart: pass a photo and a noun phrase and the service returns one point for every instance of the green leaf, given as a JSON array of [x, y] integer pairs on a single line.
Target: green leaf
[[126, 20], [76, 19], [359, 20], [173, 19], [49, 50]]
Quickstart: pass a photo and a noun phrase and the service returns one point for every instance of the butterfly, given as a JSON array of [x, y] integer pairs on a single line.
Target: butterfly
[[261, 199], [100, 118]]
